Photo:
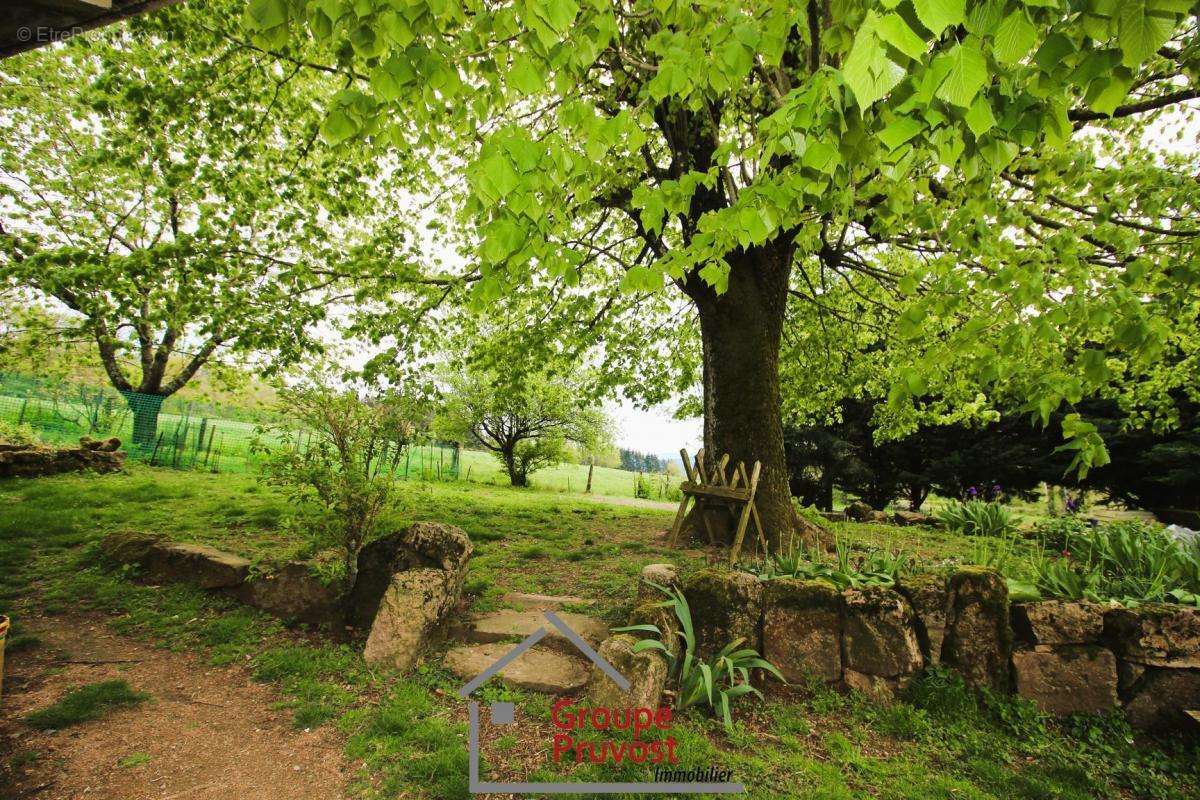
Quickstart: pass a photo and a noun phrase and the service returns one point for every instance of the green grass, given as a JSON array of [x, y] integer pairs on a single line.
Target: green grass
[[133, 760], [85, 704], [939, 741]]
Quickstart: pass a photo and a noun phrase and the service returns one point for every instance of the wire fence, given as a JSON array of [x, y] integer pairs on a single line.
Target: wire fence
[[176, 432]]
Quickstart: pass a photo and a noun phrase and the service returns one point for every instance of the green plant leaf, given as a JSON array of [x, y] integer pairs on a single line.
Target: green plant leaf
[[980, 118], [895, 31], [1141, 30], [937, 15], [1014, 38], [966, 75]]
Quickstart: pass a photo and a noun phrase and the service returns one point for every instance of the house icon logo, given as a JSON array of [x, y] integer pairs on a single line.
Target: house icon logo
[[504, 713]]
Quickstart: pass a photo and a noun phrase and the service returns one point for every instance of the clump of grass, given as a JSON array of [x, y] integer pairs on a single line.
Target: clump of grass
[[86, 703], [133, 760]]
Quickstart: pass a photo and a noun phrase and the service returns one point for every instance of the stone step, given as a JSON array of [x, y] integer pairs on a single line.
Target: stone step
[[511, 626], [536, 670], [543, 602]]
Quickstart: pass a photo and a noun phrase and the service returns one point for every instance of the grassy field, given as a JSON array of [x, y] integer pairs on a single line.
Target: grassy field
[[208, 440], [802, 742]]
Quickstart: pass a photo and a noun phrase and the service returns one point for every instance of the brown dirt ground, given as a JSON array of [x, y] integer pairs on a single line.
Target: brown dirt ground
[[209, 732]]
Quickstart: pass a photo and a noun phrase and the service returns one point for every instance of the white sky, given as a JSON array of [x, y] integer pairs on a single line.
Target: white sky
[[654, 430]]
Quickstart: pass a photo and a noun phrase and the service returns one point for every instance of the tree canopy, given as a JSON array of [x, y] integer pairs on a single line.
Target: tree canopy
[[972, 171], [165, 184]]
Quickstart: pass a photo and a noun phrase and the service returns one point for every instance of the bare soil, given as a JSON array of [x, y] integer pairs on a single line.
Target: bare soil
[[207, 732]]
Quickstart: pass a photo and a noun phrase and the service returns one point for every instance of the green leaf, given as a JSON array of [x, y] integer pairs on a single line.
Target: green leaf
[[868, 71], [525, 77], [1142, 30], [980, 118], [895, 31], [937, 15], [900, 131], [560, 14], [1014, 38], [642, 279], [338, 127], [821, 156], [263, 15], [502, 238], [501, 174], [966, 76], [1107, 93]]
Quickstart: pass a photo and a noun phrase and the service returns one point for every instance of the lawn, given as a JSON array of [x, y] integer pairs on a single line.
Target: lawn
[[803, 742]]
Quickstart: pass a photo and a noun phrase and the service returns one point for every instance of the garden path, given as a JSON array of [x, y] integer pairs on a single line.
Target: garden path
[[207, 732]]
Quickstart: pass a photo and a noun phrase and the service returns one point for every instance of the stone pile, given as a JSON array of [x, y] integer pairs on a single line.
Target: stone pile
[[407, 584], [37, 461]]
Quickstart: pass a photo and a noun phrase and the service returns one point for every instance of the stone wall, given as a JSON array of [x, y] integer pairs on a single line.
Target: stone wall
[[1067, 657], [35, 461], [408, 582]]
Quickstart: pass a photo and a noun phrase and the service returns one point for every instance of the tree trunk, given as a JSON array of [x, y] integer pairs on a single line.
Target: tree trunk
[[591, 467], [145, 409], [516, 477], [741, 332]]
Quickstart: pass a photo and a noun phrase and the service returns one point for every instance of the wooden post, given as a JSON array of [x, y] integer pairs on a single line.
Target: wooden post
[[747, 510]]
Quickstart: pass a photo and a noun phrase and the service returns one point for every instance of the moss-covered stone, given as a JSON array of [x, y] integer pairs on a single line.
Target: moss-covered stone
[[646, 672], [293, 591], [662, 618], [1071, 679], [128, 547], [879, 637], [802, 629], [929, 597], [1162, 698], [978, 640], [725, 605], [1057, 622], [1155, 634], [651, 578]]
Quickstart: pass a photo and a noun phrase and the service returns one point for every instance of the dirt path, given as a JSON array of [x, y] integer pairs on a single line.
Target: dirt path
[[208, 732]]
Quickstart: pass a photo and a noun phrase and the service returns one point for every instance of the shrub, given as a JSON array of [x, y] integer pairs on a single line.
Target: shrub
[[23, 434], [715, 683], [977, 518], [343, 460]]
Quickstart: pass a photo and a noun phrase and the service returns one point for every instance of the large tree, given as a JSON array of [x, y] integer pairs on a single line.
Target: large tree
[[761, 156], [165, 185]]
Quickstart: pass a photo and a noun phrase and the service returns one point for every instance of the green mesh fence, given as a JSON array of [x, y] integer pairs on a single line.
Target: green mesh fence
[[174, 432]]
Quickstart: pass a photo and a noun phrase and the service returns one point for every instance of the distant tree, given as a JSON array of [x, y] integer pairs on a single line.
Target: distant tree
[[1008, 457], [634, 461], [525, 424], [1153, 470], [159, 182]]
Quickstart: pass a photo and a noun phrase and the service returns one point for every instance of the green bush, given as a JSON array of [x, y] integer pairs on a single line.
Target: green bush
[[977, 518], [715, 683], [12, 433]]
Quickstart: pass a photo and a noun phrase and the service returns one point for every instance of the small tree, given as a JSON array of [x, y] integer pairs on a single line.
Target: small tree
[[343, 458], [526, 425]]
